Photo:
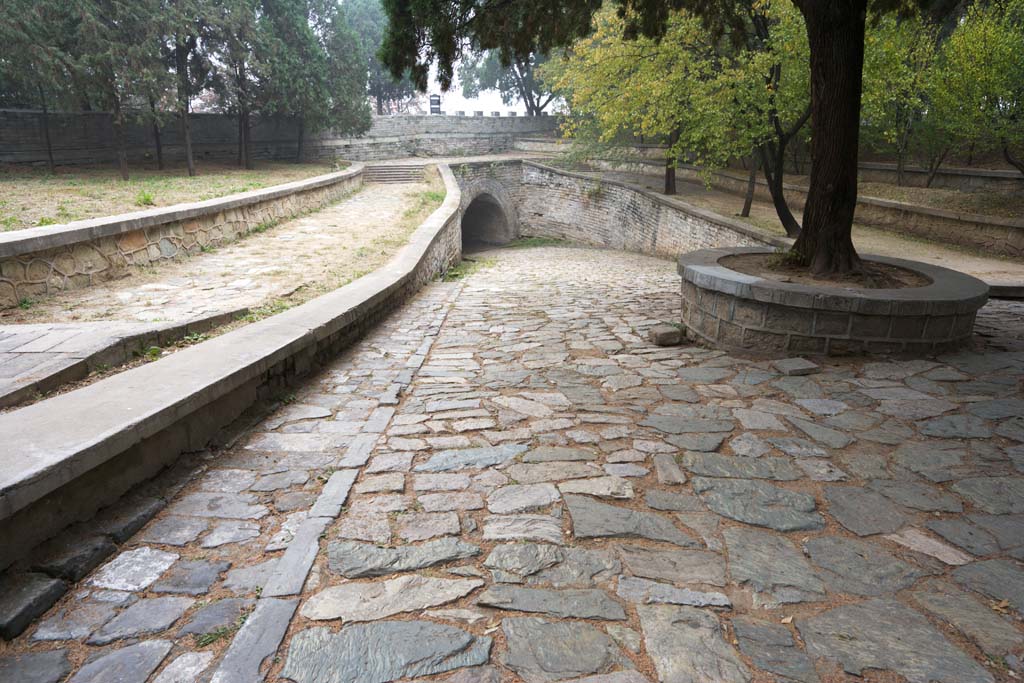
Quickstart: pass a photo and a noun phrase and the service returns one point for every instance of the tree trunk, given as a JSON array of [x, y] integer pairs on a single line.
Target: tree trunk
[[933, 166], [1011, 159], [670, 164], [302, 136], [773, 166], [380, 106], [899, 168], [119, 139], [184, 90], [46, 129], [247, 140], [748, 200], [835, 33], [156, 135], [241, 141]]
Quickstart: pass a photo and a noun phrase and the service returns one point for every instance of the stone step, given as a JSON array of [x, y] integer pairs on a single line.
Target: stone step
[[393, 174]]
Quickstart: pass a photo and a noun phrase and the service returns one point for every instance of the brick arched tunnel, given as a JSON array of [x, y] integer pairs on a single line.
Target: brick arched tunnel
[[485, 223]]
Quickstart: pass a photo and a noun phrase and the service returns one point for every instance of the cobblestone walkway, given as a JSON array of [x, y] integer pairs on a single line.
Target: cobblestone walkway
[[505, 481]]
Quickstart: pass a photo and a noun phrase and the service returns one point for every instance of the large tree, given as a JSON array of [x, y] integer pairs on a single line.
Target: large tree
[[367, 19], [516, 80], [422, 32]]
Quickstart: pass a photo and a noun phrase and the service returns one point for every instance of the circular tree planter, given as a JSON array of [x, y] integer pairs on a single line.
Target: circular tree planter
[[733, 310]]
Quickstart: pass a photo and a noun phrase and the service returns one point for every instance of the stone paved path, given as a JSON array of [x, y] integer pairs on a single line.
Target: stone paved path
[[505, 481]]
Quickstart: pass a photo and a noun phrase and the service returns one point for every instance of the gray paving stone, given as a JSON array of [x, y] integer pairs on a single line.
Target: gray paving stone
[[190, 577], [934, 460], [677, 566], [23, 597], [859, 567], [771, 647], [151, 615], [1011, 429], [995, 634], [419, 526], [760, 504], [71, 558], [173, 530], [667, 469], [579, 567], [601, 487], [122, 520], [864, 512], [557, 453], [185, 668], [749, 445], [920, 542], [647, 592], [280, 480], [821, 470], [475, 674], [627, 638], [673, 502], [832, 438], [48, 666], [955, 427], [224, 505], [245, 580], [471, 458], [217, 615], [539, 650], [227, 481], [995, 495], [688, 644], [391, 482], [133, 570], [671, 424], [551, 471], [797, 447], [231, 531], [860, 637], [515, 561], [997, 409], [381, 652], [523, 527], [290, 571], [697, 442], [75, 621], [998, 579], [444, 502], [132, 664], [577, 603], [716, 465], [591, 519], [521, 497], [259, 638], [773, 568], [356, 560], [917, 495], [370, 601], [796, 366]]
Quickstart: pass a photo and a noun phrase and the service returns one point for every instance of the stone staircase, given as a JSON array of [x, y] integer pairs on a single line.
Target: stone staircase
[[393, 173]]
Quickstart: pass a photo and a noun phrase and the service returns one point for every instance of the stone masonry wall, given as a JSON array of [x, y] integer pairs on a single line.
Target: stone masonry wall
[[83, 263], [88, 137]]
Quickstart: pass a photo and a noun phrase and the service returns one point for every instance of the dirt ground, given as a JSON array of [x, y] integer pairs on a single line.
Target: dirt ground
[[32, 196]]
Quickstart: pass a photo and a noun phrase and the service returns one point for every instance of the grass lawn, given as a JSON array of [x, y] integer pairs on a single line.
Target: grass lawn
[[32, 196], [1005, 204]]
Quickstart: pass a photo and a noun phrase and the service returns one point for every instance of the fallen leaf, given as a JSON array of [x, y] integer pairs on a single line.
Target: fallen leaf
[[787, 620]]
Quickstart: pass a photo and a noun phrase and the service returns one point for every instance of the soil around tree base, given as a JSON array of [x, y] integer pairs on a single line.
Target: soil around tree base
[[872, 274]]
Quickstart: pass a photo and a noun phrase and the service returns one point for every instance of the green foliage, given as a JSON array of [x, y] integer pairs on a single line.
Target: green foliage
[[466, 267], [144, 198], [517, 80], [367, 19]]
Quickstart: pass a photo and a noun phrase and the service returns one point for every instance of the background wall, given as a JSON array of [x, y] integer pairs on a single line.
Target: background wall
[[88, 137]]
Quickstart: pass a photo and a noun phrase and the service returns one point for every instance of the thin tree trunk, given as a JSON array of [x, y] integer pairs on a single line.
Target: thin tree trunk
[[46, 129], [119, 139], [380, 106], [156, 135], [835, 32], [241, 141], [772, 167], [670, 164], [933, 166], [247, 137], [1011, 159], [302, 136], [181, 66], [748, 200], [899, 168]]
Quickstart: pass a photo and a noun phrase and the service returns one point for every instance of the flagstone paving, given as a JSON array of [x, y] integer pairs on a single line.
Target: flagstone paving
[[506, 481]]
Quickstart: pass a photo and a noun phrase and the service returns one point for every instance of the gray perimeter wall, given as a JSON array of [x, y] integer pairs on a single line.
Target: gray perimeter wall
[[88, 137]]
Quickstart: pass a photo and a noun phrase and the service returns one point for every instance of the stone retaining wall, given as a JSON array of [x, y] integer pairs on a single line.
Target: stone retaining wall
[[40, 261], [732, 310], [88, 137], [122, 430]]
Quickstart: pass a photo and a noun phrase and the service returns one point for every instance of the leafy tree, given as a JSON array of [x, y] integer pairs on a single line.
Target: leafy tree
[[367, 19], [235, 42], [898, 73], [188, 31], [979, 89], [422, 32], [713, 102], [479, 71]]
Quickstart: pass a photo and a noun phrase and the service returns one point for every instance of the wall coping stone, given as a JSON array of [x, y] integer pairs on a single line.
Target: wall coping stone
[[31, 240], [948, 290], [672, 203], [104, 419]]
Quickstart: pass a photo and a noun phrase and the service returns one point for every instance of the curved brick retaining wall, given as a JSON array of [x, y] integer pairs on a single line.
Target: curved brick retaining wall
[[40, 261], [737, 311], [115, 433]]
